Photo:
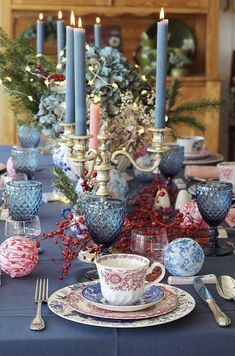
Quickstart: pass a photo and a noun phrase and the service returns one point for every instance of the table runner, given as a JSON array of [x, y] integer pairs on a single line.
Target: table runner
[[196, 334]]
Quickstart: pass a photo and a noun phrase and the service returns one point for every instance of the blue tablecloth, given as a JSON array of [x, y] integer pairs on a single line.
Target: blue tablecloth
[[194, 335]]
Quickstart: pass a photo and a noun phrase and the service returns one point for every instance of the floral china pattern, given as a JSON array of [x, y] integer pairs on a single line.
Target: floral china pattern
[[165, 305], [124, 281], [226, 173], [59, 305]]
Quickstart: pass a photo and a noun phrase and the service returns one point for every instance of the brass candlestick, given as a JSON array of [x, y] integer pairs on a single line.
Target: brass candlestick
[[101, 159]]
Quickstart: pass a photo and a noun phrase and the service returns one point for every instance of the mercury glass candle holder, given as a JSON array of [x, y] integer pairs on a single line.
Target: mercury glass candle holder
[[23, 199], [25, 160], [214, 200]]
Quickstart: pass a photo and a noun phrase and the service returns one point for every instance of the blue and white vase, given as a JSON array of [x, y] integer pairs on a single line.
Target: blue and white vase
[[183, 257], [29, 135], [62, 160]]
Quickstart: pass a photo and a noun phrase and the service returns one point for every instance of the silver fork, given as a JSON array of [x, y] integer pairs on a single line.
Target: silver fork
[[41, 295]]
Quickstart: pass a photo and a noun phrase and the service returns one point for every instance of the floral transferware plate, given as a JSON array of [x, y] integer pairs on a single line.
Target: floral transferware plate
[[92, 294], [59, 305]]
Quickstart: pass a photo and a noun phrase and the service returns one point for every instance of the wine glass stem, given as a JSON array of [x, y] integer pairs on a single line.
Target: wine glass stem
[[213, 237]]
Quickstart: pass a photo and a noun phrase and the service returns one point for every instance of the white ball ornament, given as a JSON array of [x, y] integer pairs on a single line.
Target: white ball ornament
[[18, 256]]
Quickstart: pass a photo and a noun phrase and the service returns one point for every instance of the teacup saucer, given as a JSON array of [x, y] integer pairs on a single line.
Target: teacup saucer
[[92, 294]]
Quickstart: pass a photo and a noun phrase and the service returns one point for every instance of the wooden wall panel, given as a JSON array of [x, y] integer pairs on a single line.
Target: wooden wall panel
[[134, 17]]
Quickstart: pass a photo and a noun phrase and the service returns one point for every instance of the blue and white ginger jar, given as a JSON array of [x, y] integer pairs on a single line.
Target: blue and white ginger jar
[[62, 160]]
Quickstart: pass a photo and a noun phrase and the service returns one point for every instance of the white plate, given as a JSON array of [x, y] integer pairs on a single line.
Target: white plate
[[92, 294], [58, 304]]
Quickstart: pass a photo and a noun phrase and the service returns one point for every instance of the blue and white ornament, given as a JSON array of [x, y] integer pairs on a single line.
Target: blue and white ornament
[[183, 257]]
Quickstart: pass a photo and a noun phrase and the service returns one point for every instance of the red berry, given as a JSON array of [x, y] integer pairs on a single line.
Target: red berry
[[37, 244]]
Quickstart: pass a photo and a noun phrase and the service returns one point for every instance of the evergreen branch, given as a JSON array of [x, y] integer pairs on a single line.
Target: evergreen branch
[[200, 105], [173, 93], [62, 182], [190, 121]]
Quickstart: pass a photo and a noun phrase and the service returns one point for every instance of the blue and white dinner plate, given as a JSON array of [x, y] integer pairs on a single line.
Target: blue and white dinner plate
[[92, 294]]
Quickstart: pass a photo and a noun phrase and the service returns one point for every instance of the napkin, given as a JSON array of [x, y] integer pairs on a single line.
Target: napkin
[[203, 172]]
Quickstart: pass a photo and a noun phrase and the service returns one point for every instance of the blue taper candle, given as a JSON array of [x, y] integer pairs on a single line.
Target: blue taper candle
[[60, 37], [98, 33], [162, 40], [40, 34], [70, 87], [80, 79]]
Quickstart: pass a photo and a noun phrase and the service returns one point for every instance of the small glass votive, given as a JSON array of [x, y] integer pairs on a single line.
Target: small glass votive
[[28, 228], [23, 199], [149, 242], [25, 160]]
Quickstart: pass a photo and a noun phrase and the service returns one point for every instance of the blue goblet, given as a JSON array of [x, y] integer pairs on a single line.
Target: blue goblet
[[214, 200], [104, 219], [170, 165], [25, 160], [172, 161], [23, 199]]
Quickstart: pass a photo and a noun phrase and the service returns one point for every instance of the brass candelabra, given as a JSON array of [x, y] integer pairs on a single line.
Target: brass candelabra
[[101, 159]]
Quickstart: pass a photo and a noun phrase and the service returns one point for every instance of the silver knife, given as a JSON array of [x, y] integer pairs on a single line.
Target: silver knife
[[220, 318]]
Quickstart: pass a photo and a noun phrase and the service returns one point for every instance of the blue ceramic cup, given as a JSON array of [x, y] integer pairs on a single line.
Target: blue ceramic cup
[[23, 199]]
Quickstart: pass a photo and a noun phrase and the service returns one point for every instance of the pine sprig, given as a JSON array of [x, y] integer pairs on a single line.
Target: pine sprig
[[23, 87], [200, 106], [184, 113], [190, 121], [62, 182]]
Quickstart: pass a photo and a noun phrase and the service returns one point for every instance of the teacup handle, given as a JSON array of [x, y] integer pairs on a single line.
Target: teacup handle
[[64, 211], [154, 265]]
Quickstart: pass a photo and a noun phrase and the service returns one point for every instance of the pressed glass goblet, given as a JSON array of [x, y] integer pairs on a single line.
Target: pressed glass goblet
[[214, 200], [23, 199], [170, 165], [25, 160], [104, 220], [172, 161]]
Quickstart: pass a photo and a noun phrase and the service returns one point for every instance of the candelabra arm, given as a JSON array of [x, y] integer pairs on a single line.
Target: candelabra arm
[[115, 155]]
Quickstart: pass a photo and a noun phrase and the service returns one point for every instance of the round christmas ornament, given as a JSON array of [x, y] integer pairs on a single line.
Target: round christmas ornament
[[183, 257], [18, 256]]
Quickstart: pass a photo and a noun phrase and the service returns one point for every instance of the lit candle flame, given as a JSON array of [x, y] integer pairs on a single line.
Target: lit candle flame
[[97, 20], [162, 14], [72, 19], [41, 17], [80, 22], [60, 16]]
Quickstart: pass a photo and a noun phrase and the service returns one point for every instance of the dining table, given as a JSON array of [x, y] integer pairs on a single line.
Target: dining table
[[193, 335]]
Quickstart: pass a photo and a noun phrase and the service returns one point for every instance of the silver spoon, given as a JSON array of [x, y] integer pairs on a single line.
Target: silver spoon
[[226, 287]]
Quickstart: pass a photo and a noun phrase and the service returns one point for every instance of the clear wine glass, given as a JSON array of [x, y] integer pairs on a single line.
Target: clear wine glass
[[214, 200]]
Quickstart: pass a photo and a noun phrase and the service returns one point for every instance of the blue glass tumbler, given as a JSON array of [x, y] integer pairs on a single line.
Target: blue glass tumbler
[[23, 199], [25, 160]]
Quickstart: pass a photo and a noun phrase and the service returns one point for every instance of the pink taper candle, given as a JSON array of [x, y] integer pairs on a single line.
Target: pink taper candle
[[94, 125]]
